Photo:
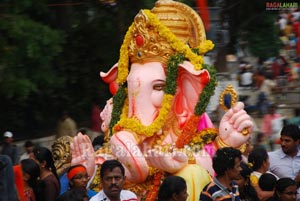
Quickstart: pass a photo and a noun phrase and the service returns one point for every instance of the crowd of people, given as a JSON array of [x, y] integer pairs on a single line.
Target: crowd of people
[[276, 75], [269, 81], [254, 174], [264, 176]]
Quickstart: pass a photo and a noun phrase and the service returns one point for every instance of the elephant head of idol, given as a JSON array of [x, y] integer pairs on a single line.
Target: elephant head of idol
[[161, 72]]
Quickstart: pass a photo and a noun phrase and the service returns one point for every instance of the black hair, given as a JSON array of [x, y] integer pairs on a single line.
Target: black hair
[[83, 130], [75, 194], [171, 185], [259, 137], [224, 159], [246, 170], [44, 154], [292, 131], [267, 182], [248, 191], [110, 165], [282, 184], [30, 167], [297, 112], [99, 140], [28, 143], [257, 157]]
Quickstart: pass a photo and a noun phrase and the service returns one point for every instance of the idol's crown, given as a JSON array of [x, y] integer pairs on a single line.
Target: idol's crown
[[152, 39]]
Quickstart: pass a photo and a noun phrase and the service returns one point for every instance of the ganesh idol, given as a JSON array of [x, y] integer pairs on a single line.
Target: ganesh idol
[[155, 122]]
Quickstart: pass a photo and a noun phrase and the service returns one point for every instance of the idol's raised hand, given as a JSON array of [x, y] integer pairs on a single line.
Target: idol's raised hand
[[236, 126], [83, 152]]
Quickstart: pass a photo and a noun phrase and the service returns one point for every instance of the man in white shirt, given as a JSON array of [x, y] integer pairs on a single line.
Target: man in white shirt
[[112, 175], [29, 146], [285, 162], [247, 77]]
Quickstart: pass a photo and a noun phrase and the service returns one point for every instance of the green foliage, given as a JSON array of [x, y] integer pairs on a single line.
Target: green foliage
[[44, 71], [27, 50], [259, 24], [207, 92], [51, 56], [28, 78]]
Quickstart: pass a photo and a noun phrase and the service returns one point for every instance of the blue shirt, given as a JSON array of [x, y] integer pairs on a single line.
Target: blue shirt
[[283, 165], [64, 183]]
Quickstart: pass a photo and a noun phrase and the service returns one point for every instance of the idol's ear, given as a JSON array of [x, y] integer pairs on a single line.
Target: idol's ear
[[111, 78], [190, 84]]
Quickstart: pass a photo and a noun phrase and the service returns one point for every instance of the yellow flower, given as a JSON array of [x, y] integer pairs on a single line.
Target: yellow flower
[[124, 58], [205, 46], [174, 42], [136, 126], [123, 65]]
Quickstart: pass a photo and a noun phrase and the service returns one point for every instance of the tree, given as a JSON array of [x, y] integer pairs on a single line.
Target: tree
[[28, 80], [261, 29], [44, 70]]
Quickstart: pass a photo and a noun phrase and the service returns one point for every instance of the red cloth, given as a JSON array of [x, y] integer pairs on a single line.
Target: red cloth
[[296, 28], [95, 118], [266, 126], [202, 7], [19, 181], [298, 46]]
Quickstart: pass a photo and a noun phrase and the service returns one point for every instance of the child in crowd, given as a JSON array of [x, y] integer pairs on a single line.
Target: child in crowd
[[267, 182], [247, 191], [259, 160], [78, 179], [173, 188], [286, 190]]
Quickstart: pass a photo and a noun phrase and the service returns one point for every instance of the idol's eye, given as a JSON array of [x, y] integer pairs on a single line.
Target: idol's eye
[[159, 86]]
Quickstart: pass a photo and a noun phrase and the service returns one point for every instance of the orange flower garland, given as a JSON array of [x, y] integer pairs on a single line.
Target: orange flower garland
[[191, 135], [188, 132], [153, 192]]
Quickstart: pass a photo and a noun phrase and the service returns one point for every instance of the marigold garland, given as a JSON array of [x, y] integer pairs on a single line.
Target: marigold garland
[[124, 58], [184, 52], [203, 137], [133, 123], [153, 191], [189, 129], [136, 126], [175, 43], [191, 136], [205, 46]]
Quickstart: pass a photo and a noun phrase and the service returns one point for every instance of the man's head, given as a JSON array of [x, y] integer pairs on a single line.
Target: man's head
[[8, 137], [29, 146], [290, 138], [227, 161], [267, 182], [112, 175], [272, 109]]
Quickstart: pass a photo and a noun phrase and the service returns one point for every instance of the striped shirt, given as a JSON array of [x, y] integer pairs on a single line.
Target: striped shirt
[[125, 195], [215, 191]]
